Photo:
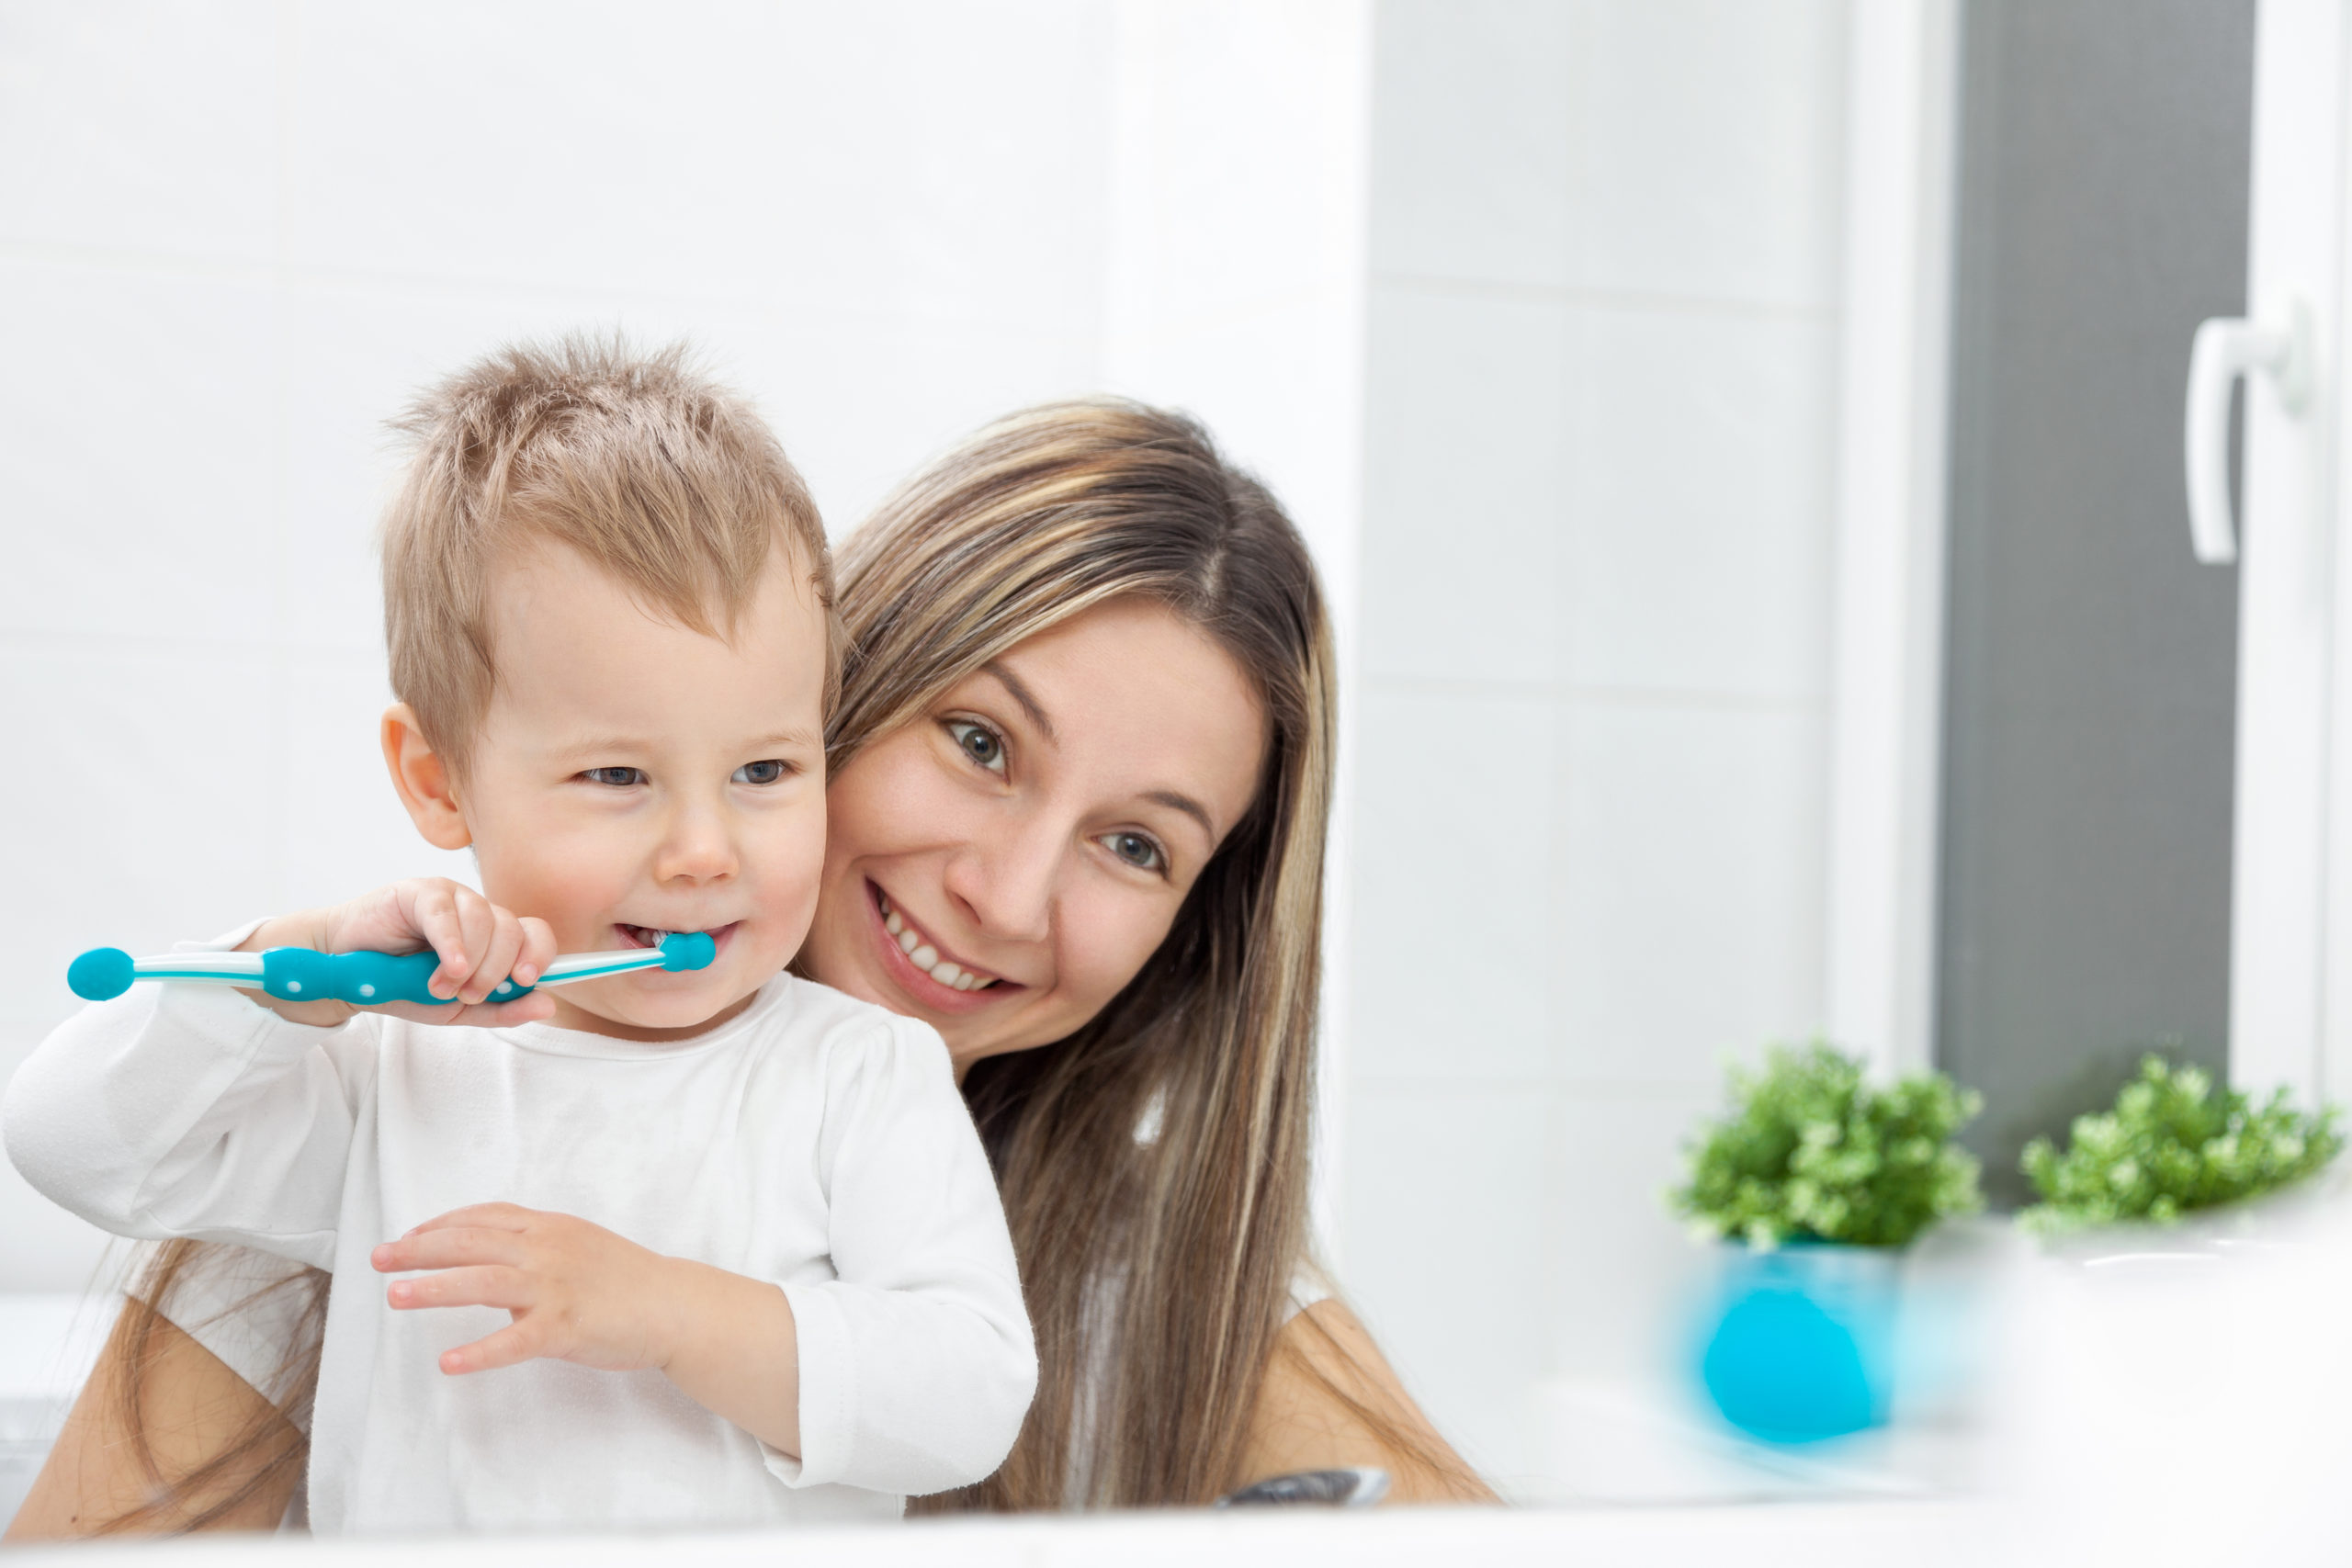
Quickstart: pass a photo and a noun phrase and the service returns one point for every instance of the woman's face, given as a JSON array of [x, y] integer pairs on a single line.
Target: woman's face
[[1003, 866]]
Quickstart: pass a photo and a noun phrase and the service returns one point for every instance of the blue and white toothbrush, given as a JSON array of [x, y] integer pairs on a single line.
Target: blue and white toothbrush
[[363, 979]]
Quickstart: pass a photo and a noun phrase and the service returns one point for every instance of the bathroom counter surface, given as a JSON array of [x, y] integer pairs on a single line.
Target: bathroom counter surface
[[1920, 1534]]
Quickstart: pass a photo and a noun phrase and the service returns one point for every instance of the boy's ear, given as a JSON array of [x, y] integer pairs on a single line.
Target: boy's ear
[[423, 781]]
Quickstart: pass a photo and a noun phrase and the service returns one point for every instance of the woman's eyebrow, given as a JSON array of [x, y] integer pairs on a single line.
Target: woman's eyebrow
[[1187, 805], [1022, 694]]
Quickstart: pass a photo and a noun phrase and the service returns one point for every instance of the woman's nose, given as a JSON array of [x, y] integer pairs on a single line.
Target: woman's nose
[[1005, 879]]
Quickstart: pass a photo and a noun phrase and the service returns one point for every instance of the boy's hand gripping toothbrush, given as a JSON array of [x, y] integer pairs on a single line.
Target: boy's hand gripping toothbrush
[[362, 979]]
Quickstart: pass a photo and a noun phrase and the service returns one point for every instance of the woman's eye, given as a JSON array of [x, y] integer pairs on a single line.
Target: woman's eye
[[767, 770], [617, 778], [979, 742], [1135, 850]]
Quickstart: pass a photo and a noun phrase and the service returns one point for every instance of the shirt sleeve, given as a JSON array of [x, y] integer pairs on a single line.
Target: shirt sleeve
[[916, 1363], [262, 1315], [188, 1111]]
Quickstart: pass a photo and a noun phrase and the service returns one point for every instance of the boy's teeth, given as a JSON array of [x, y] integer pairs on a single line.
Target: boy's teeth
[[924, 956]]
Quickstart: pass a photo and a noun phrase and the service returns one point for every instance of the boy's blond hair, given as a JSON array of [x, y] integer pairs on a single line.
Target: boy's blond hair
[[657, 475]]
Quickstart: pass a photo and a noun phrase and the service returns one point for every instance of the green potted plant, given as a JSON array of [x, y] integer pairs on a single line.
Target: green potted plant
[[2172, 1147], [1824, 1178]]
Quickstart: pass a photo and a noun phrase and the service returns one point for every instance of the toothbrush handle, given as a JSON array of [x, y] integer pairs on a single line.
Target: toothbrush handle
[[363, 979]]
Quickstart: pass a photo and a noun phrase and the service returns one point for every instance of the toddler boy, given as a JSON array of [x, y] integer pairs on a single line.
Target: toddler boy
[[708, 1247]]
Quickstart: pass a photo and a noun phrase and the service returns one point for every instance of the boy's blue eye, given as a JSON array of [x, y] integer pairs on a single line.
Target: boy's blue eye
[[617, 778], [767, 770]]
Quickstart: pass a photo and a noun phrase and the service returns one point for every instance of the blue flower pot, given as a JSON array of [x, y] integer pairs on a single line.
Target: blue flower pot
[[1799, 1344]]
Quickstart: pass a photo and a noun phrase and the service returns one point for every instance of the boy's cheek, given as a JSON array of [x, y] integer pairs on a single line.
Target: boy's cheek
[[563, 880], [794, 870]]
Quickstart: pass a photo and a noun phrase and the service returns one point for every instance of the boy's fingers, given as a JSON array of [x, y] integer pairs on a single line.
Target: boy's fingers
[[455, 920], [478, 944], [538, 950], [449, 1246], [482, 1015], [499, 1015], [478, 919], [488, 1285], [435, 914], [515, 1343], [497, 960], [489, 1216]]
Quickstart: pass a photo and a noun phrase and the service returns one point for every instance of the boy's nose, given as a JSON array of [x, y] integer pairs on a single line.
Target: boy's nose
[[698, 848]]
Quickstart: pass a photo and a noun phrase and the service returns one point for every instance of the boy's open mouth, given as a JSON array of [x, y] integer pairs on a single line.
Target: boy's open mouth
[[651, 936]]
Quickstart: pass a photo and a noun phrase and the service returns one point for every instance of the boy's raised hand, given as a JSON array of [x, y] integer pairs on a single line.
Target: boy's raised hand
[[479, 943]]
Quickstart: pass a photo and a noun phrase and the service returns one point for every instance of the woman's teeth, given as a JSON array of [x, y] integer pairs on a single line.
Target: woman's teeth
[[925, 957]]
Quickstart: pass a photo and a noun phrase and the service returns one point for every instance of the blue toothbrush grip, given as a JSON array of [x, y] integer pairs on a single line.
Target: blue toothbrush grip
[[362, 979]]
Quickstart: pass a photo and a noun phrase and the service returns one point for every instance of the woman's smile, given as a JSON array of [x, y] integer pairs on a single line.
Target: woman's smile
[[928, 955], [925, 969]]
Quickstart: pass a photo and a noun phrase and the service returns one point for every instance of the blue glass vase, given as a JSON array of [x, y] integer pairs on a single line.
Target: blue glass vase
[[1799, 1344]]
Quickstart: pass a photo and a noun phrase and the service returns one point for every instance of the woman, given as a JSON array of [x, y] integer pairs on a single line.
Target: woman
[[1081, 770]]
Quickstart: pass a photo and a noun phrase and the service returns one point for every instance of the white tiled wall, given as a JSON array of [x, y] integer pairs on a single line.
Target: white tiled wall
[[235, 236], [1588, 750]]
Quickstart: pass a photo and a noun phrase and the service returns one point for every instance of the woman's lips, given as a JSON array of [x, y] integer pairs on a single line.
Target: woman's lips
[[921, 983], [925, 953]]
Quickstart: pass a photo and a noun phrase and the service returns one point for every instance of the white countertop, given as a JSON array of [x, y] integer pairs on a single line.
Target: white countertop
[[1797, 1535]]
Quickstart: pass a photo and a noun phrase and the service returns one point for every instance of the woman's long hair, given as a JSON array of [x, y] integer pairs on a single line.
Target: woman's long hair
[[266, 1453], [1158, 1268], [1154, 1163]]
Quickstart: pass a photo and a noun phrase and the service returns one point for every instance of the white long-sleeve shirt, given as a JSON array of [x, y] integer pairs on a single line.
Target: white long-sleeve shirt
[[814, 1140]]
